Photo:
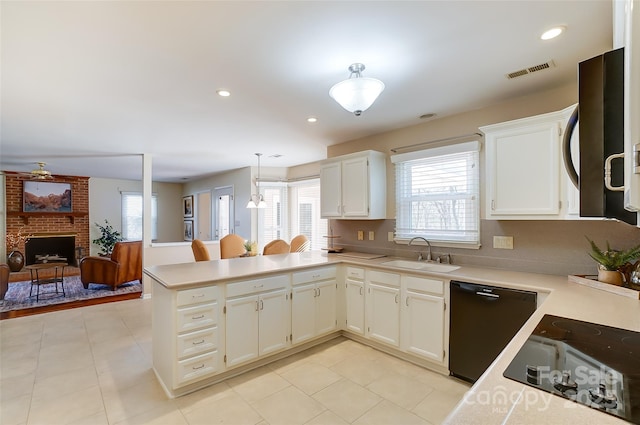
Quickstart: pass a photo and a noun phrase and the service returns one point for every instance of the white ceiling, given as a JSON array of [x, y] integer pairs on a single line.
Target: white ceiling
[[88, 86]]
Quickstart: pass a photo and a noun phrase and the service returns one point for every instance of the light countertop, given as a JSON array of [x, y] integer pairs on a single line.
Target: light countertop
[[493, 399]]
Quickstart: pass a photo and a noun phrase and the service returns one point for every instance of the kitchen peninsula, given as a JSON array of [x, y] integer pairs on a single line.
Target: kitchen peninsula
[[242, 311]]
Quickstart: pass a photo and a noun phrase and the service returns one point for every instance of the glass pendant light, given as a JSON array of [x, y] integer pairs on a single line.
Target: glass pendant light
[[257, 200]]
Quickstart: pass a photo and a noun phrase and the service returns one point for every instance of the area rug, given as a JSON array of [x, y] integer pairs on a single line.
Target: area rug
[[17, 297]]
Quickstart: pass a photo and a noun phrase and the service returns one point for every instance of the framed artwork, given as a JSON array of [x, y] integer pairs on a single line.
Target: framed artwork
[[46, 196], [187, 205], [188, 230]]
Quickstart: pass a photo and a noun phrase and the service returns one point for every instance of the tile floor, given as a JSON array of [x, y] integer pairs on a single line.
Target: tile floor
[[92, 365]]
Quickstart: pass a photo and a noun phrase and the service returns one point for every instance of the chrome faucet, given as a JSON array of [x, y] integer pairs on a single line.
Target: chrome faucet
[[419, 253]]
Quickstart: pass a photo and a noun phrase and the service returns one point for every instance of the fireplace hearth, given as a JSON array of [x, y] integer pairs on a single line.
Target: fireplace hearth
[[47, 248]]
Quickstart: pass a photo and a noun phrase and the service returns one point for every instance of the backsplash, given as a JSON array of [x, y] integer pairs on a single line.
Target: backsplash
[[547, 247]]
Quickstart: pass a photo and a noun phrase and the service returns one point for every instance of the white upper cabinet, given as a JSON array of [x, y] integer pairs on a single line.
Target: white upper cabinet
[[354, 186], [525, 178]]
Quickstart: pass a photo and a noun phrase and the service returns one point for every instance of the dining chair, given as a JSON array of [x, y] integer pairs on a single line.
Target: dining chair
[[232, 246], [277, 246], [300, 243], [200, 251]]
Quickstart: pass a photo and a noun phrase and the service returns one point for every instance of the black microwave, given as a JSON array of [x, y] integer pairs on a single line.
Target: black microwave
[[600, 119]]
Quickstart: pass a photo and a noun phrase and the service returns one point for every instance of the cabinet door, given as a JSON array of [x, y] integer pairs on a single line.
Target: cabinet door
[[383, 319], [330, 190], [355, 306], [523, 165], [275, 316], [303, 317], [242, 330], [423, 325], [326, 306], [355, 187]]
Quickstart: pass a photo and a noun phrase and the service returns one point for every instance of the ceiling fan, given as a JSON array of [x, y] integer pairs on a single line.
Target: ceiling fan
[[39, 173]]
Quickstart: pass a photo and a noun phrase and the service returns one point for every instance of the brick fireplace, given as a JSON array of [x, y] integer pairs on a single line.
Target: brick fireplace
[[49, 224]]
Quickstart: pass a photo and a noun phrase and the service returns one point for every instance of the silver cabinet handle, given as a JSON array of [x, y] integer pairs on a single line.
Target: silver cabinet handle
[[257, 306], [396, 298], [198, 367], [318, 291], [607, 173], [486, 294], [198, 343], [197, 317], [261, 305], [361, 290]]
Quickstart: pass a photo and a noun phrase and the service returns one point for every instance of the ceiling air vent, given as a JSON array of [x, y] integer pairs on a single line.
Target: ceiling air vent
[[531, 69]]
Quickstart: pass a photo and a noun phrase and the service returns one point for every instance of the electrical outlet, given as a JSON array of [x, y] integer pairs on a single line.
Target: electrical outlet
[[390, 237], [503, 242], [372, 235], [360, 235]]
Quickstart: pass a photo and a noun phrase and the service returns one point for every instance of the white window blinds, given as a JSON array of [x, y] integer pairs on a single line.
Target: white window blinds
[[305, 212], [272, 223], [132, 216], [437, 194]]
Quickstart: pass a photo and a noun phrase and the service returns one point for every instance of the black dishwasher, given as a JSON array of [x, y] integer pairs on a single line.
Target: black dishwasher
[[483, 319]]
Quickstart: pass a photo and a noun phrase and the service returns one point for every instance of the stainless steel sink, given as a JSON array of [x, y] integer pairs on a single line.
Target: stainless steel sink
[[421, 265]]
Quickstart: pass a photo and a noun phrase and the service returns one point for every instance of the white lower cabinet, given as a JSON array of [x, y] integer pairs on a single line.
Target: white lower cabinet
[[354, 289], [423, 317], [257, 324], [186, 344], [197, 336], [383, 307], [313, 304]]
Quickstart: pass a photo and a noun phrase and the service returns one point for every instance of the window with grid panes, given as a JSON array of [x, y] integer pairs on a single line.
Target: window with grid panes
[[437, 194]]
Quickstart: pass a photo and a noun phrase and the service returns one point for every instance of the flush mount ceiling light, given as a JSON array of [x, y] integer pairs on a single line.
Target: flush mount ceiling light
[[357, 93], [223, 93], [257, 201], [552, 33]]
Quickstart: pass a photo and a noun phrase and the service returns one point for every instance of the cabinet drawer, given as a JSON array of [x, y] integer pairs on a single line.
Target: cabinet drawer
[[383, 277], [197, 342], [422, 284], [197, 295], [196, 367], [314, 275], [202, 316], [355, 273], [246, 287]]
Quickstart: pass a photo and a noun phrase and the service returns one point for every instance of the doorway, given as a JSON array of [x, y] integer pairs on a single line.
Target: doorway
[[224, 206]]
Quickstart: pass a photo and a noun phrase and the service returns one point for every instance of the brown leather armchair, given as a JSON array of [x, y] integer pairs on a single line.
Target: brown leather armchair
[[4, 279], [125, 265]]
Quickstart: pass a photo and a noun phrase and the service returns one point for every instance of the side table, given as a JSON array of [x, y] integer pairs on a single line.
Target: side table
[[34, 269]]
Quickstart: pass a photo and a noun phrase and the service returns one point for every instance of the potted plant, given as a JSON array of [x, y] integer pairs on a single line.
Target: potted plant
[[251, 247], [108, 238], [613, 264]]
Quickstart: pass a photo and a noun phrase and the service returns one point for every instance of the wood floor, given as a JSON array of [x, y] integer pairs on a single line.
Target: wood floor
[[66, 306], [70, 271]]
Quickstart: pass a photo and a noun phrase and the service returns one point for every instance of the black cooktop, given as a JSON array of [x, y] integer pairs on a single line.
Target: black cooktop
[[590, 364]]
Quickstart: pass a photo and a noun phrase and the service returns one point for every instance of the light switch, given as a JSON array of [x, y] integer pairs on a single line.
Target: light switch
[[372, 235], [360, 235]]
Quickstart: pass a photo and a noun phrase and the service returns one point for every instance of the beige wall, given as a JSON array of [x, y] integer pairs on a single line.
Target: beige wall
[[456, 125], [551, 247], [105, 203]]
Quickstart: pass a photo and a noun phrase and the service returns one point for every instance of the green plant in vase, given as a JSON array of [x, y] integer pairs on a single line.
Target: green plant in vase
[[108, 238], [613, 264], [251, 247]]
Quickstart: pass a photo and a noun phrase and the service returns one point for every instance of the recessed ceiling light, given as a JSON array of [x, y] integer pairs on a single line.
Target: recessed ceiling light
[[552, 33], [223, 93], [312, 119]]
